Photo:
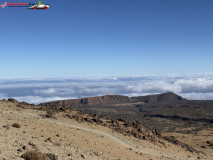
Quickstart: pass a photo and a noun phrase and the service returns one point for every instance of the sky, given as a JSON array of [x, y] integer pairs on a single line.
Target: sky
[[106, 38]]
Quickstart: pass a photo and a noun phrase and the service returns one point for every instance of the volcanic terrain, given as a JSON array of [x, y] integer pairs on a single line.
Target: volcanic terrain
[[109, 127]]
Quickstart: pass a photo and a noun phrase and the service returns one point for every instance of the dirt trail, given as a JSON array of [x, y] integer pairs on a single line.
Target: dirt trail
[[112, 137]]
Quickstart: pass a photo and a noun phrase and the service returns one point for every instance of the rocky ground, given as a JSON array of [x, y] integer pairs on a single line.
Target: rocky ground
[[66, 134]]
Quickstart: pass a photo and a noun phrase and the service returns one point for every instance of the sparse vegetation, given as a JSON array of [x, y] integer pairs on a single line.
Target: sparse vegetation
[[34, 155], [50, 114], [172, 137], [169, 137], [16, 125]]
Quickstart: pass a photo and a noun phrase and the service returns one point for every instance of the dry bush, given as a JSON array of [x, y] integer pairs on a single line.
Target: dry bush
[[16, 125], [50, 114], [34, 155]]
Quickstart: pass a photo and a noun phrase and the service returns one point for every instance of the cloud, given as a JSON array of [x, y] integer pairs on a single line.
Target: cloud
[[38, 99], [47, 91], [194, 86], [3, 96], [197, 96]]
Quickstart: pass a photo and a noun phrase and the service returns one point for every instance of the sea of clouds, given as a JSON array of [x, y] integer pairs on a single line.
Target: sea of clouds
[[38, 90]]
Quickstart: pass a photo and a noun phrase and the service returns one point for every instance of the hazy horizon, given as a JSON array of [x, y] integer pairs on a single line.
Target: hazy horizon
[[38, 90]]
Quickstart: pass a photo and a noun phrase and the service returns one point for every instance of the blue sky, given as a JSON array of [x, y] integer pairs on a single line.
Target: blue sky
[[107, 38]]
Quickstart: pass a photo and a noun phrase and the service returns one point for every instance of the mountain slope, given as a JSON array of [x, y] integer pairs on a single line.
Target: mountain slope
[[67, 138]]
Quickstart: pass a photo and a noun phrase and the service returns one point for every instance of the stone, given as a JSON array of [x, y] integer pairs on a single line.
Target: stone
[[49, 139], [32, 144], [83, 156], [20, 150], [70, 154], [52, 156], [25, 147]]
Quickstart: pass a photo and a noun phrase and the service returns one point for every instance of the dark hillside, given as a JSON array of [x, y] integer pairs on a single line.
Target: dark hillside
[[159, 98], [167, 112]]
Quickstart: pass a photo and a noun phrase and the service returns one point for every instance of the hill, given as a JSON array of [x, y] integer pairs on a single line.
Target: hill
[[107, 99], [165, 97], [113, 99]]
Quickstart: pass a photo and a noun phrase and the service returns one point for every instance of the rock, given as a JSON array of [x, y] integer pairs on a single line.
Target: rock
[[70, 154], [57, 144], [91, 154], [48, 139], [83, 156], [52, 156], [20, 150], [6, 126], [57, 135], [97, 120], [25, 147], [32, 144]]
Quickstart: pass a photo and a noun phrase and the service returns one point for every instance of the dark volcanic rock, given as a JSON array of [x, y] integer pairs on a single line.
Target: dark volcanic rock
[[12, 100], [52, 156], [183, 145]]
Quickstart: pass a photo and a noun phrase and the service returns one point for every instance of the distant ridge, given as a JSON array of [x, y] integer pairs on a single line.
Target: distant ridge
[[109, 99], [169, 96]]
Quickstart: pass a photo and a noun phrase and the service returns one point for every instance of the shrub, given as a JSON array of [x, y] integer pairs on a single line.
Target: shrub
[[172, 137], [34, 155], [16, 125], [50, 114], [169, 138]]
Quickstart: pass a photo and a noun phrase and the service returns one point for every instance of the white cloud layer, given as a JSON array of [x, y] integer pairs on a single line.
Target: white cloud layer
[[194, 87], [38, 99]]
